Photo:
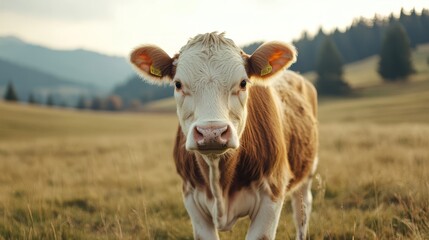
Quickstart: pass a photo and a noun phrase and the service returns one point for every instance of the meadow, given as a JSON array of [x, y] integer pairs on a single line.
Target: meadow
[[69, 174]]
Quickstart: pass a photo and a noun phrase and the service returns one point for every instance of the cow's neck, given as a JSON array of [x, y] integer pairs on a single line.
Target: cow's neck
[[218, 177]]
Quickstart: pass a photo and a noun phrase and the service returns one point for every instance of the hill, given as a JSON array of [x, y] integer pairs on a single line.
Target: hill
[[137, 89], [26, 81], [389, 103], [80, 66]]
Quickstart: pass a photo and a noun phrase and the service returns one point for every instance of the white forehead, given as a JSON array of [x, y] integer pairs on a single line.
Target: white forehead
[[210, 58]]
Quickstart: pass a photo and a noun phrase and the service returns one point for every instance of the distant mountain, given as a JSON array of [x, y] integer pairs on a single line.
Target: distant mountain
[[40, 84], [76, 65]]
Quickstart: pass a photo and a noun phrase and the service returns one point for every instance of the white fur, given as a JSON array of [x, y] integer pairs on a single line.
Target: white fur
[[211, 89], [201, 223], [221, 212], [264, 222]]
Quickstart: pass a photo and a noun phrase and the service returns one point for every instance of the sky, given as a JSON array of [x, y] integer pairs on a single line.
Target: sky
[[115, 27]]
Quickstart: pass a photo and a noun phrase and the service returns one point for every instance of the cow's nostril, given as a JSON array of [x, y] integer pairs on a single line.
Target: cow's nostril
[[226, 134], [198, 135]]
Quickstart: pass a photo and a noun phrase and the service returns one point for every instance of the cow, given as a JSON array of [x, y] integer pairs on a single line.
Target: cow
[[247, 134]]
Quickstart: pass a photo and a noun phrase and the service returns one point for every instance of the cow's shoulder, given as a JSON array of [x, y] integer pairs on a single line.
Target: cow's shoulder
[[262, 154]]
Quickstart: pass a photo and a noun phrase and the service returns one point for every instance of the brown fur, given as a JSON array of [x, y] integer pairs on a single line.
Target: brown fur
[[270, 139], [301, 133]]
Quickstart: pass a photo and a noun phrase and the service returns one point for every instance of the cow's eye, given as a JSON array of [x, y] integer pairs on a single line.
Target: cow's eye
[[243, 84], [178, 85]]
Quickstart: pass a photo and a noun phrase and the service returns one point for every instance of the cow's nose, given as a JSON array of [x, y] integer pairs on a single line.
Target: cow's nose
[[212, 136]]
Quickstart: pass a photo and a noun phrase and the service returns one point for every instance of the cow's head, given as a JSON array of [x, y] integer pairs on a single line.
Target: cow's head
[[212, 77]]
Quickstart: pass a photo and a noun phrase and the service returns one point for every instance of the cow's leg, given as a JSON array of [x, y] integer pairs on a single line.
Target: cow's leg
[[203, 228], [264, 223], [301, 204]]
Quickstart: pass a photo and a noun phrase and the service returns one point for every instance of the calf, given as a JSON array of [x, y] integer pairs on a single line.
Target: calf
[[247, 134]]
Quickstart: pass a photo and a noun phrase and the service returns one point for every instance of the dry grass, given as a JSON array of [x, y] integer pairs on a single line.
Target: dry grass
[[390, 103], [104, 176]]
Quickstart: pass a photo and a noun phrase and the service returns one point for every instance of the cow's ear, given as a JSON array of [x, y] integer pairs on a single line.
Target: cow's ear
[[269, 58], [153, 64]]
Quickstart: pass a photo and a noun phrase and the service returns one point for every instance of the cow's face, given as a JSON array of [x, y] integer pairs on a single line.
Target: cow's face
[[211, 79]]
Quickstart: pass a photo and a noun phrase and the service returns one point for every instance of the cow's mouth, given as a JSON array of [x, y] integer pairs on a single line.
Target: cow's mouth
[[215, 149]]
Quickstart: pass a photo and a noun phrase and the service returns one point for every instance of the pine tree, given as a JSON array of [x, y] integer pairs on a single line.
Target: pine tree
[[10, 93], [329, 69], [63, 103], [114, 103], [50, 100], [97, 104], [81, 104], [395, 57], [31, 99]]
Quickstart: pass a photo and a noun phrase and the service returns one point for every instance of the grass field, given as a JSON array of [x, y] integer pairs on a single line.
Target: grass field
[[67, 174], [105, 176]]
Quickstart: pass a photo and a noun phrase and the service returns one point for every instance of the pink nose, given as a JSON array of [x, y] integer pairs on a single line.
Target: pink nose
[[212, 136]]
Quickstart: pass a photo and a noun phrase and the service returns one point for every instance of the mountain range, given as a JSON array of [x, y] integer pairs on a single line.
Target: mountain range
[[28, 81], [78, 66]]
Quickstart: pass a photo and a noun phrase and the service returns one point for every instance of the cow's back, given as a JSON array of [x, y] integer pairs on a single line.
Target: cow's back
[[299, 105]]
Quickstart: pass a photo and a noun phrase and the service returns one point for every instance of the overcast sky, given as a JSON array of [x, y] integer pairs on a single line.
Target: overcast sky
[[115, 27]]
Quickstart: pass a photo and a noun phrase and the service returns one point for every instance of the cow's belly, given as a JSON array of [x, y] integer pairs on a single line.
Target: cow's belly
[[243, 203]]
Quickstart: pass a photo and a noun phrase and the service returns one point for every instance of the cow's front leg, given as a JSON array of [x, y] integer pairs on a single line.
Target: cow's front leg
[[202, 226], [264, 222]]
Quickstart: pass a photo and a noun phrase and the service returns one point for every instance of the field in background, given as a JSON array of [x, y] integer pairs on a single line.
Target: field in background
[[67, 174]]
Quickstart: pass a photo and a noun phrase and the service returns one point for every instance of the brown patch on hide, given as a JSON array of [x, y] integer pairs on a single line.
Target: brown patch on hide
[[301, 130]]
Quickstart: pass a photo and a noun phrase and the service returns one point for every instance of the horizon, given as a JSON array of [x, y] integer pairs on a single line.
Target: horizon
[[109, 28]]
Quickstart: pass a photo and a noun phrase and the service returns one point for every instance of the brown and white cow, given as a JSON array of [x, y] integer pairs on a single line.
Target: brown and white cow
[[247, 134]]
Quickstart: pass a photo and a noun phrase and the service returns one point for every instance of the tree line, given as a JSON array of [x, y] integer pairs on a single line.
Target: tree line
[[392, 38], [109, 103], [362, 39]]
